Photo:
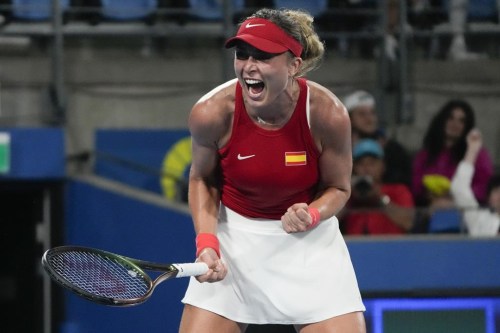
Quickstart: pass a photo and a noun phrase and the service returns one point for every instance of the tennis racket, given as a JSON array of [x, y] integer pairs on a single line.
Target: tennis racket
[[108, 278]]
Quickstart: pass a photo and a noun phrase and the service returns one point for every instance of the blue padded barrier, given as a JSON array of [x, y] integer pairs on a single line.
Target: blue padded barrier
[[99, 218], [35, 153], [386, 266]]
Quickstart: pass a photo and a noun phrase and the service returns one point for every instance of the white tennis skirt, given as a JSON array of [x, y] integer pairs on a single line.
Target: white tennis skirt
[[279, 278]]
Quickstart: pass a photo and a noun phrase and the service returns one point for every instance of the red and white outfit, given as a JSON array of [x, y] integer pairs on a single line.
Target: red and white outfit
[[274, 277]]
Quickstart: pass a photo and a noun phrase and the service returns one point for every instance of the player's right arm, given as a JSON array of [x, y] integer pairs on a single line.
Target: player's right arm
[[204, 194], [209, 124]]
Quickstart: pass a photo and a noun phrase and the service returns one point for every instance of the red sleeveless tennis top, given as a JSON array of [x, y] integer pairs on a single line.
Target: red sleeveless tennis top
[[265, 172]]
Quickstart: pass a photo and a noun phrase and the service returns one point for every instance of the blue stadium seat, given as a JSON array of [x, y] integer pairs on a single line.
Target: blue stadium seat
[[314, 7], [478, 10], [35, 10], [482, 9], [445, 221], [211, 10], [127, 10]]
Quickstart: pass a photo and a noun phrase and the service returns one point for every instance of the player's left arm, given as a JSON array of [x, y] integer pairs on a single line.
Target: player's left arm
[[331, 129]]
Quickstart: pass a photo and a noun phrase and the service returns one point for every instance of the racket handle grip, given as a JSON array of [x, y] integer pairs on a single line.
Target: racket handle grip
[[191, 269]]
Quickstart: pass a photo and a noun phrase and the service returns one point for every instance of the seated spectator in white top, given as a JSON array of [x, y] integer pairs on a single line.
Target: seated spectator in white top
[[479, 221]]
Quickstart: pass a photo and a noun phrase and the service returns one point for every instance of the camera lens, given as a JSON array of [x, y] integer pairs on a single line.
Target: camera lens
[[363, 186]]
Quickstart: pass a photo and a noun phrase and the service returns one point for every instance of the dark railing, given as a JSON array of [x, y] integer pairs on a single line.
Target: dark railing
[[394, 77]]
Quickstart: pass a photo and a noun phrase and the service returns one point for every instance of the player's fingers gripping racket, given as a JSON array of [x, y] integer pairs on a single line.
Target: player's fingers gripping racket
[[108, 278]]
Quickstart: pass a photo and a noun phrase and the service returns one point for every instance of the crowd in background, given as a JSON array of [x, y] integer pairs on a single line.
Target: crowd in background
[[448, 185], [339, 17], [453, 16]]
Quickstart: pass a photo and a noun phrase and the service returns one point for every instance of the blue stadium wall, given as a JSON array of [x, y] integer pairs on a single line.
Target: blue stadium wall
[[110, 221], [423, 269]]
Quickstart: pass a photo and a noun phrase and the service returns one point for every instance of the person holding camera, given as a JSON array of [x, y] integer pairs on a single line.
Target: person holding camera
[[376, 207], [365, 124]]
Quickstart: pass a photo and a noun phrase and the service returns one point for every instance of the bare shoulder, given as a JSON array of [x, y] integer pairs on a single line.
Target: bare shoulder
[[326, 109], [211, 116]]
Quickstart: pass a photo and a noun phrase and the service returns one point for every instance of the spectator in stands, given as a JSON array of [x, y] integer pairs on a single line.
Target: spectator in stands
[[365, 125], [347, 16], [375, 207], [479, 221], [392, 29], [457, 16], [425, 14], [444, 146]]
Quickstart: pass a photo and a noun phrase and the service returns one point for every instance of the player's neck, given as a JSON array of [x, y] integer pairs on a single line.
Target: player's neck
[[277, 114]]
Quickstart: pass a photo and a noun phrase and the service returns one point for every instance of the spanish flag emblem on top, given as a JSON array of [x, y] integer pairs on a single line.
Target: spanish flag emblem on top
[[295, 158]]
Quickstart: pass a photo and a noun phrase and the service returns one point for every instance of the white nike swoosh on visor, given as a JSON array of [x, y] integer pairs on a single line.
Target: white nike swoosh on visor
[[244, 157], [250, 25]]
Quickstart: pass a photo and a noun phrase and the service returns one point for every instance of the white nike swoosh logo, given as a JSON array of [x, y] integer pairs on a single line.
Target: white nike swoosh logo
[[245, 157], [250, 25]]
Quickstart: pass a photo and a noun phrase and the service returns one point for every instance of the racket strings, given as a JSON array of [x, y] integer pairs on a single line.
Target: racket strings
[[100, 275]]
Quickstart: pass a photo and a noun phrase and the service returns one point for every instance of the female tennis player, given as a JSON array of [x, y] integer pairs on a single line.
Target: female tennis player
[[271, 167]]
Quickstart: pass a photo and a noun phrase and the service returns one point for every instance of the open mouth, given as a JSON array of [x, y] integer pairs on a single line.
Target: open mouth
[[254, 86]]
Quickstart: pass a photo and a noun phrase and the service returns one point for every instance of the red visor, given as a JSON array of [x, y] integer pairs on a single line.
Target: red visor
[[265, 36]]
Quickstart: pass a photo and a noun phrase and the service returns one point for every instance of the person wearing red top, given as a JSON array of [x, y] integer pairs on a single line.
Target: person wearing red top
[[376, 208], [271, 167]]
